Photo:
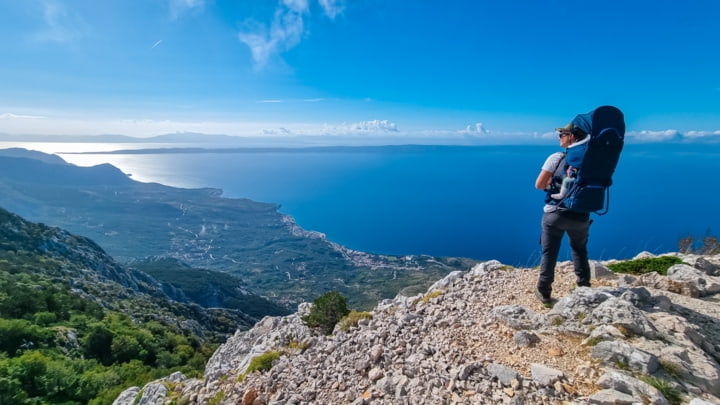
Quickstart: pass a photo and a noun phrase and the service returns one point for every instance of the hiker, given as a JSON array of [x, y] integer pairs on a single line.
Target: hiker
[[557, 221]]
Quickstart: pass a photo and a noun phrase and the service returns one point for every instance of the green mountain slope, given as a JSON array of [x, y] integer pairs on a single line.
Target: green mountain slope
[[207, 288], [76, 327]]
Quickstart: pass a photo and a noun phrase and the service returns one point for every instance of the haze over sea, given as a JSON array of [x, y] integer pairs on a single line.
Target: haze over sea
[[471, 201]]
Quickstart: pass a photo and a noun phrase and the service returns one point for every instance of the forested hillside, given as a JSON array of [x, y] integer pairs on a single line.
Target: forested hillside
[[76, 327]]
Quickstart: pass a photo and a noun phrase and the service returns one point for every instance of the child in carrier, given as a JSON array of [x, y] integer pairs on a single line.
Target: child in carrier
[[570, 176]]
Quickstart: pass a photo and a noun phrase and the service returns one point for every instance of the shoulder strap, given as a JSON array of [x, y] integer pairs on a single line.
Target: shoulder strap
[[558, 171], [560, 163]]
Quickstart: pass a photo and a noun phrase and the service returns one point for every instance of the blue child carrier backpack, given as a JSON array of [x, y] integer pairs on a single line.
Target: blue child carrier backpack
[[594, 160]]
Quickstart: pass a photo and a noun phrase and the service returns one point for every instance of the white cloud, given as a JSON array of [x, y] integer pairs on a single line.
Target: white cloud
[[298, 6], [476, 129], [652, 136], [10, 116], [373, 127], [701, 134], [284, 32], [332, 7], [61, 24], [180, 7]]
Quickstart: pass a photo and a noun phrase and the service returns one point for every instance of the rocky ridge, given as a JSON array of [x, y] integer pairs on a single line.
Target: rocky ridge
[[481, 337]]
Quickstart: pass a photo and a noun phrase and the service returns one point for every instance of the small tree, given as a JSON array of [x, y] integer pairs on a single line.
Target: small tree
[[326, 311], [710, 246], [685, 245]]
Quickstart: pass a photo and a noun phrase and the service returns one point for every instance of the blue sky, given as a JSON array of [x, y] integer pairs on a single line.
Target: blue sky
[[481, 70]]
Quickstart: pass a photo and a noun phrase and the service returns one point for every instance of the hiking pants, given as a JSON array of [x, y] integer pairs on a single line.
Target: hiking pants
[[554, 226]]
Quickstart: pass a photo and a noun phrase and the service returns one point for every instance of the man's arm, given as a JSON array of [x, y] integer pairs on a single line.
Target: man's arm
[[543, 180]]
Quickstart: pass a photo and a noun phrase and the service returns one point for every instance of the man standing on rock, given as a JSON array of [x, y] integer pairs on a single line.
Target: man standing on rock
[[556, 221]]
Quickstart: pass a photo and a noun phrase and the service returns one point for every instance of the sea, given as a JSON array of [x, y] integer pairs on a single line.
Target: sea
[[468, 201]]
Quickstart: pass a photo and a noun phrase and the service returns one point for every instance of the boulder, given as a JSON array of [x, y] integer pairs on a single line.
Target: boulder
[[703, 283], [621, 354]]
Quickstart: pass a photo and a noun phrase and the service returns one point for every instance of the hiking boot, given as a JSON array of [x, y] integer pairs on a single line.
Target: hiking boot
[[583, 285], [546, 300]]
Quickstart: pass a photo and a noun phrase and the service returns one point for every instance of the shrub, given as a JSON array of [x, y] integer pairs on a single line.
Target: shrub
[[593, 341], [262, 362], [670, 368], [646, 265], [217, 398], [427, 297], [326, 311], [298, 346], [352, 319], [708, 245], [671, 394]]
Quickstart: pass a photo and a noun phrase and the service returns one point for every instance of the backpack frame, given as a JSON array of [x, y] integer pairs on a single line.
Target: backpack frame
[[598, 158]]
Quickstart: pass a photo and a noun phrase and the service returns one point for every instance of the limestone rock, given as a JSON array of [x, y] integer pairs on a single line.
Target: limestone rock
[[627, 384], [621, 353], [127, 397], [484, 339], [705, 284], [612, 397], [599, 272], [518, 317], [545, 376]]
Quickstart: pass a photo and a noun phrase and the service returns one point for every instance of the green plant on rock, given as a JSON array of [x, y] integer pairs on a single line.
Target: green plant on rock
[[427, 297], [215, 400], [326, 311], [262, 362], [622, 365], [351, 320], [659, 264], [624, 330], [671, 368], [671, 393], [557, 320], [296, 346], [593, 341]]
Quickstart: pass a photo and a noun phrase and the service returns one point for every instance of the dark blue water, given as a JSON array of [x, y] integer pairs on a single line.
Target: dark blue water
[[477, 202]]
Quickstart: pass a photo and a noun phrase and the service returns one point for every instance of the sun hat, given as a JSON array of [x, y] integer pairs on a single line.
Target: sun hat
[[576, 127]]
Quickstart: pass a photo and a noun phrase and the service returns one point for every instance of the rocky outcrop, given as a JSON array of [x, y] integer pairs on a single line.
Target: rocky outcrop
[[480, 337]]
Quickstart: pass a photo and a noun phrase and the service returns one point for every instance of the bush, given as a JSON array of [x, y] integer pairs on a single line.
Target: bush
[[641, 266], [262, 362], [326, 311], [16, 334], [669, 392], [351, 320]]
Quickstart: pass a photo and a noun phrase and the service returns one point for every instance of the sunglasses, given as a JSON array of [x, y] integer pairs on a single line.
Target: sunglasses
[[562, 134]]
